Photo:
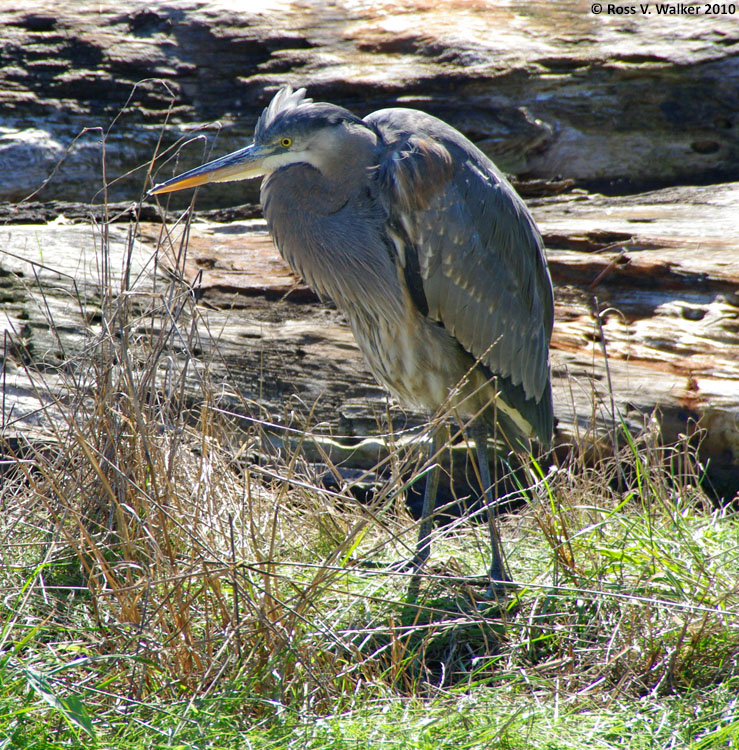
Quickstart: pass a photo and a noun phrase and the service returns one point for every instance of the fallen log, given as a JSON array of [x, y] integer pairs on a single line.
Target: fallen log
[[546, 89]]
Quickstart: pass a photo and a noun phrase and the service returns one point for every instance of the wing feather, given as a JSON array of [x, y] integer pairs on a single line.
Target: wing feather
[[480, 255]]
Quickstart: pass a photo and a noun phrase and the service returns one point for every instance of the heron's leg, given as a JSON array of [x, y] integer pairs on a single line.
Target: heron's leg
[[498, 573], [423, 546]]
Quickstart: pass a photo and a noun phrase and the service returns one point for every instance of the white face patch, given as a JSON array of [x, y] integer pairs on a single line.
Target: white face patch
[[330, 150], [286, 158]]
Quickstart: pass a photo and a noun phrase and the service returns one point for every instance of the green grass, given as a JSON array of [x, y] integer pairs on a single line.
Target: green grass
[[524, 712]]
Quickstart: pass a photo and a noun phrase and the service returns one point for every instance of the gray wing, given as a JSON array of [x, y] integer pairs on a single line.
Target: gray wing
[[477, 251]]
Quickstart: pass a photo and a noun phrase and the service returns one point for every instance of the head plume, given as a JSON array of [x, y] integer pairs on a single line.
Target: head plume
[[284, 101], [295, 109]]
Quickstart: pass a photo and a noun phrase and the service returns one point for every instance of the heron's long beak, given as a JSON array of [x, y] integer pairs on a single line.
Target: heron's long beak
[[239, 165]]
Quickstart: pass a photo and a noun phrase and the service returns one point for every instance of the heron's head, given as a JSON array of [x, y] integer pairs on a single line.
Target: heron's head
[[292, 130]]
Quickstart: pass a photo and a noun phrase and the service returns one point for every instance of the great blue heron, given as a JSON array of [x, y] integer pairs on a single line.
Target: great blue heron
[[429, 252]]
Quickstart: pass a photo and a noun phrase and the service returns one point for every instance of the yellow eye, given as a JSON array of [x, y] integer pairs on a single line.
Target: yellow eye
[[286, 142]]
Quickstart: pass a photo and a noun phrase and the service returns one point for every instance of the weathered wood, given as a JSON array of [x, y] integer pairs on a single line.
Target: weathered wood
[[544, 88], [664, 267]]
